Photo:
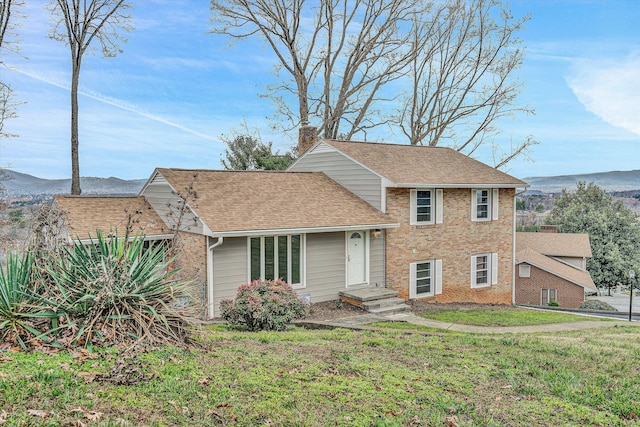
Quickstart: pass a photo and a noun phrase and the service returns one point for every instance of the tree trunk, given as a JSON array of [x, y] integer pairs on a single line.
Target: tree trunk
[[75, 163]]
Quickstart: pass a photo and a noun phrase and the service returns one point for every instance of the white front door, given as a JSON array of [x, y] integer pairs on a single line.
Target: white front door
[[356, 258]]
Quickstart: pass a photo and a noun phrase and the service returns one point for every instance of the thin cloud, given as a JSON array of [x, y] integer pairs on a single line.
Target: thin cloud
[[610, 89], [117, 103]]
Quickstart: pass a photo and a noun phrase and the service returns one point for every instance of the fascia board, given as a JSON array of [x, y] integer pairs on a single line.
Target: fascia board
[[305, 230]]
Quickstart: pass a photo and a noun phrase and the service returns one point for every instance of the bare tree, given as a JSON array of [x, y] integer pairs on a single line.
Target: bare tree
[[462, 77], [339, 55], [440, 72], [8, 42], [80, 22]]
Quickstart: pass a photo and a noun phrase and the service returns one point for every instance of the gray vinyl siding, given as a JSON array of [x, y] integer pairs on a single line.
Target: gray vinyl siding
[[325, 267], [168, 205], [573, 261], [376, 266], [326, 264], [357, 179], [229, 269]]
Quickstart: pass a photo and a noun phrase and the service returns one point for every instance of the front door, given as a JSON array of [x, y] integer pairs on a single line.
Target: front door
[[356, 258]]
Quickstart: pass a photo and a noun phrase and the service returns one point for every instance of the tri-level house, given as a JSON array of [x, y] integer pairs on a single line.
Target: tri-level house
[[425, 222]]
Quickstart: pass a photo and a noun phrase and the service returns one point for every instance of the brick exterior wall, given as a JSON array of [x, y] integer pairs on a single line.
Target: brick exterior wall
[[454, 242], [191, 260], [529, 289]]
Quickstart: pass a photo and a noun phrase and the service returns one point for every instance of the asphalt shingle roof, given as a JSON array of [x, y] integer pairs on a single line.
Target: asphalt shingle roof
[[86, 214], [231, 201], [407, 164], [555, 244], [577, 276]]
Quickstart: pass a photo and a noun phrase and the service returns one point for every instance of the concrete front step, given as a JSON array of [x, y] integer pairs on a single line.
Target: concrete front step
[[382, 303], [384, 311], [375, 300]]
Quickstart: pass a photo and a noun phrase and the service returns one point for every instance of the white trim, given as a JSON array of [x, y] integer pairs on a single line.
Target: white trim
[[303, 259], [494, 269], [355, 161], [320, 141], [147, 237], [474, 205], [438, 289], [206, 231], [556, 274], [210, 276], [474, 272], [367, 238], [433, 278], [439, 205], [460, 185], [413, 196], [474, 262], [280, 231]]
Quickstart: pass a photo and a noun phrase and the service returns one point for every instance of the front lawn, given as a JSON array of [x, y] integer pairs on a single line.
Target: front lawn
[[335, 378], [497, 317]]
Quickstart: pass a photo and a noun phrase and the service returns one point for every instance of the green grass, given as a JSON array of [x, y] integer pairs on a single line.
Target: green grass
[[336, 377], [406, 326], [491, 317]]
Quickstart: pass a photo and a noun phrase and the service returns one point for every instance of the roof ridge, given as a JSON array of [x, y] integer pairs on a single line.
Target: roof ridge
[[395, 144], [237, 171]]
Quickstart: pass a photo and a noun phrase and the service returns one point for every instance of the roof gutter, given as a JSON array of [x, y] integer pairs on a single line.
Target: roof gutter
[[460, 185], [280, 231]]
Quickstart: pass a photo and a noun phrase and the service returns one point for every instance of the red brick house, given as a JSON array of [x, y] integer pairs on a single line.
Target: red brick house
[[426, 222], [552, 267]]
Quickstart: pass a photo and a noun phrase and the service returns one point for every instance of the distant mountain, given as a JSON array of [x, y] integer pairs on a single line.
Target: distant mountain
[[24, 185], [609, 181]]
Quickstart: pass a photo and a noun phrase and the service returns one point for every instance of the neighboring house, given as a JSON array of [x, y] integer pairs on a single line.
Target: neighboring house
[[426, 222], [552, 267]]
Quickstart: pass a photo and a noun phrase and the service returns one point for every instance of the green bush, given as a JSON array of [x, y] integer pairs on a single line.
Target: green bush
[[595, 304], [553, 304], [263, 305]]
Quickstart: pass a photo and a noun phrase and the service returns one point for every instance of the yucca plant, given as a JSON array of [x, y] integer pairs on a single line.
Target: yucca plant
[[114, 290], [21, 315]]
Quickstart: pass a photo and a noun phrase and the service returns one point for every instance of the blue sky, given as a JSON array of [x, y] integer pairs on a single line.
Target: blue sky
[[175, 89]]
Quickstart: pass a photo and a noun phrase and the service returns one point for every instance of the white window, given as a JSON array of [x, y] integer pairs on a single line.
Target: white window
[[426, 278], [277, 257], [548, 295], [426, 206], [484, 270], [484, 204], [524, 270]]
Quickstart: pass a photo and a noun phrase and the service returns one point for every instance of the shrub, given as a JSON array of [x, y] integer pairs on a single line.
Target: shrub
[[21, 317], [553, 304], [113, 291], [595, 304], [263, 305]]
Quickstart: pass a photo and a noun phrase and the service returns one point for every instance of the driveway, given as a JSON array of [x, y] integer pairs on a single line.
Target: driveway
[[619, 301]]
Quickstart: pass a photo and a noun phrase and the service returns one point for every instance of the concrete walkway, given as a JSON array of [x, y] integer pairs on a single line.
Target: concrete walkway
[[361, 322]]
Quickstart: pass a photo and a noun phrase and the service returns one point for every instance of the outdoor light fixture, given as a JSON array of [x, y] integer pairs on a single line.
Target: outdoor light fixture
[[632, 275], [376, 233]]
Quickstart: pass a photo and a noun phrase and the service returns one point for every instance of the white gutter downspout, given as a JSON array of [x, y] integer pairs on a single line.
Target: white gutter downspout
[[210, 275], [513, 263]]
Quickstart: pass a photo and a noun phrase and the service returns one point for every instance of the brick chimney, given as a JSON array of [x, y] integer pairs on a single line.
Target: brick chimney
[[307, 137], [548, 228]]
